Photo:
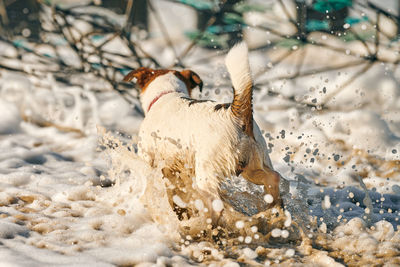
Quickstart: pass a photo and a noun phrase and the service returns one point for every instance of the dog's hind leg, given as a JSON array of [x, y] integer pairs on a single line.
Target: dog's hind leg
[[262, 175]]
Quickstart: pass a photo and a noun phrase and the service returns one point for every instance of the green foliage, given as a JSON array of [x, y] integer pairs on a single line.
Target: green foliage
[[364, 36], [20, 43], [243, 7], [289, 43], [97, 37], [125, 71], [317, 25], [355, 20], [232, 18], [200, 4], [217, 35], [96, 66], [331, 5], [220, 29], [208, 39]]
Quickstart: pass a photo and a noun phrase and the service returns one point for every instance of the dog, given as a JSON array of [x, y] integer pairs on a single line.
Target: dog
[[216, 140]]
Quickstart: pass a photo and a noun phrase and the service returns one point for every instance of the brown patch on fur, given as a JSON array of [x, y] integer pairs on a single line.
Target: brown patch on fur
[[191, 80], [144, 76], [242, 108]]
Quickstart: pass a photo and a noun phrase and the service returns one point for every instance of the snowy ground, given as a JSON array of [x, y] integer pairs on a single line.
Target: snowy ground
[[75, 194]]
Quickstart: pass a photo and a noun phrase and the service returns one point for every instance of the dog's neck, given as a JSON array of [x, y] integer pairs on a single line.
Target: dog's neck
[[156, 98], [160, 87]]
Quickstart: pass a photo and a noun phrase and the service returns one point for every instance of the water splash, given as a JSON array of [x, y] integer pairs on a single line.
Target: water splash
[[241, 226]]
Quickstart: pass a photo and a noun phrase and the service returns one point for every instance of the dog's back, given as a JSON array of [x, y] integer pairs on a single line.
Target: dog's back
[[203, 136], [216, 140], [212, 138]]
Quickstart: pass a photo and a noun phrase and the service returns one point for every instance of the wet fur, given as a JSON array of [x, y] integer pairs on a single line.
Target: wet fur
[[216, 140]]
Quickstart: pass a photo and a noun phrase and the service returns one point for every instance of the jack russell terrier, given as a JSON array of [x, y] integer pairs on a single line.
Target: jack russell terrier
[[216, 140]]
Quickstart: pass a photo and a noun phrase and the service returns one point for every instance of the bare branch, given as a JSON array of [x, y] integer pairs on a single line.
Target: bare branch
[[165, 32], [349, 81]]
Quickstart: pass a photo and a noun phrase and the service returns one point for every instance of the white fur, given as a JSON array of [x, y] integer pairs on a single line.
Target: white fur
[[164, 83], [199, 136], [237, 63]]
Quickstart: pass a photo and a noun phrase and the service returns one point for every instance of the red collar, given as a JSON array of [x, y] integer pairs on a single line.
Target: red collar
[[158, 97]]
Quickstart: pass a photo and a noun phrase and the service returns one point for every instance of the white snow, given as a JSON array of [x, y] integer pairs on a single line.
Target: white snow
[[10, 118]]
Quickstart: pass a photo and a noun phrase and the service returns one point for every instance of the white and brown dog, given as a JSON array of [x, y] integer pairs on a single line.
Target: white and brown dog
[[216, 140]]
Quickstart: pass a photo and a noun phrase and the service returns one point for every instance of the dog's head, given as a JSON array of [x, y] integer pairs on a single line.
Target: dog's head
[[144, 76]]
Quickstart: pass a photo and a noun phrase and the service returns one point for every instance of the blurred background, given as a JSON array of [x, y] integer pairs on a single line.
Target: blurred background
[[294, 39]]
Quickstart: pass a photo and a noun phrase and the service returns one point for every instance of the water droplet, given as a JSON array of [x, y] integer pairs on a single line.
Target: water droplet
[[217, 205], [326, 204], [276, 232], [248, 239], [198, 203], [268, 198], [239, 224], [285, 233], [289, 253]]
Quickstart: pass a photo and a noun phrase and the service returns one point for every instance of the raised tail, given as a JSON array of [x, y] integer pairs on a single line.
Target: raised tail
[[237, 63]]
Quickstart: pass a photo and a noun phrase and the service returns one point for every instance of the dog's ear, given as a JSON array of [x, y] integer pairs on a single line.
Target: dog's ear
[[192, 80], [142, 75]]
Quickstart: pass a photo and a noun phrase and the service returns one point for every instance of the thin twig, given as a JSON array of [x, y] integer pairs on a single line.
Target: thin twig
[[72, 43], [370, 21], [286, 11], [368, 57], [209, 23], [348, 82], [377, 30], [164, 32], [301, 61], [133, 45], [3, 13], [128, 12], [359, 38], [276, 62], [44, 123], [313, 72]]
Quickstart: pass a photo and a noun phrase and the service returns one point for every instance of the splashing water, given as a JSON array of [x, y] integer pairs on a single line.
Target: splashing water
[[172, 201], [241, 226], [244, 229]]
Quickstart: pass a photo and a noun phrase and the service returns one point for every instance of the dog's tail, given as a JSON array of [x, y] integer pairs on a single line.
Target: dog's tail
[[237, 63]]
